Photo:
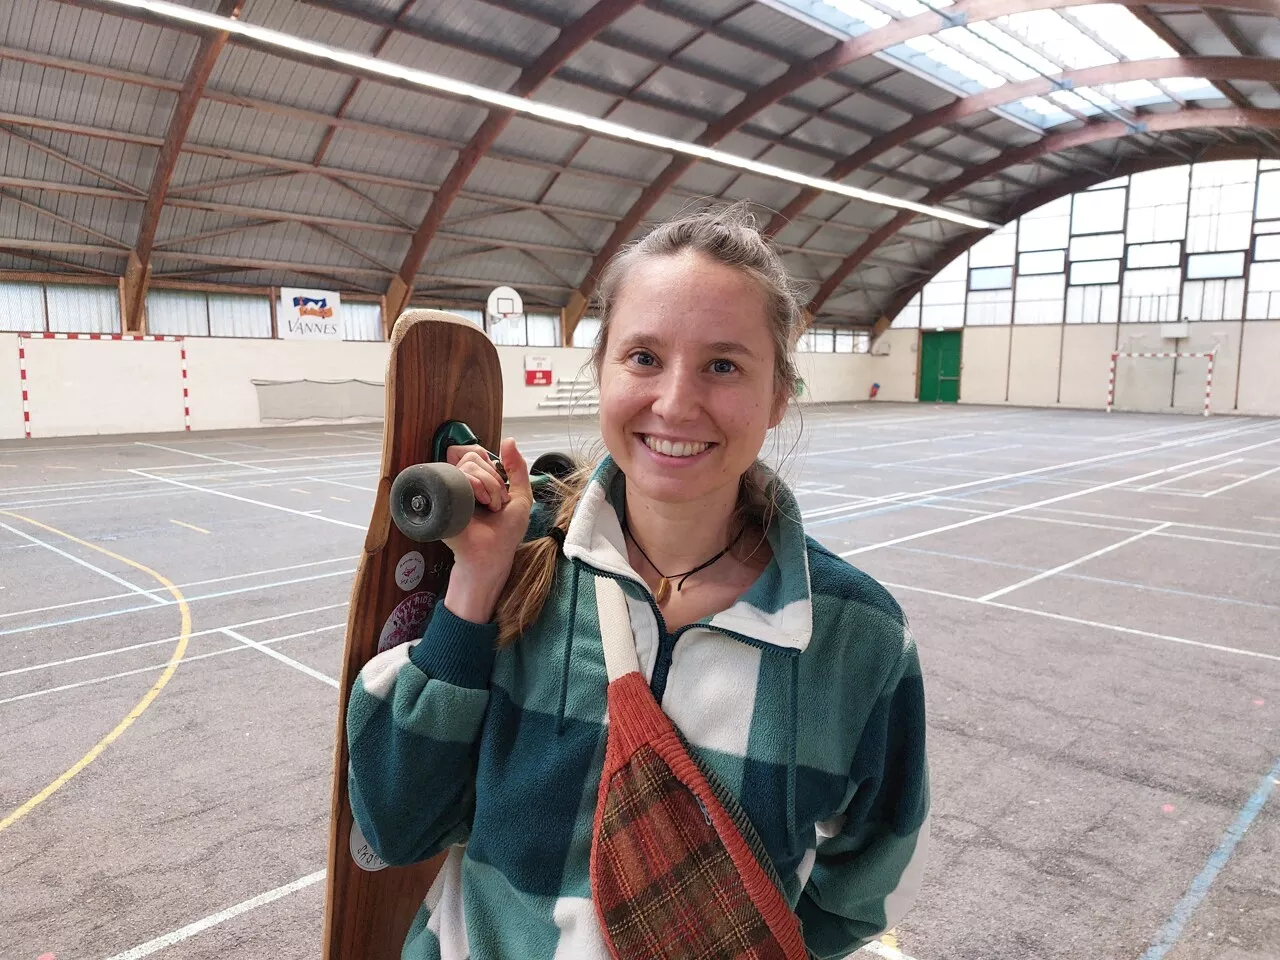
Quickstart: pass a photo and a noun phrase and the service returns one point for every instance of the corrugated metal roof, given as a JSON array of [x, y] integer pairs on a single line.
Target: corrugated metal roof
[[666, 66]]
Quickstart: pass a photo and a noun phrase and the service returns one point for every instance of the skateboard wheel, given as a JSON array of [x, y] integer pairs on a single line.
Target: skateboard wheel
[[558, 465], [431, 501]]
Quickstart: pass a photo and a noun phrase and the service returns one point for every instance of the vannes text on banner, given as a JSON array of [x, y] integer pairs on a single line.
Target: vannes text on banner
[[309, 314]]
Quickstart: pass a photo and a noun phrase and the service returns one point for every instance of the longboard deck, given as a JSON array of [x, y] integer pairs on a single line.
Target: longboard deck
[[441, 367]]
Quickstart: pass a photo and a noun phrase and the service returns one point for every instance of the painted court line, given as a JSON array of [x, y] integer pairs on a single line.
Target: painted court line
[[163, 640], [1240, 483], [191, 929], [190, 526], [1115, 628], [1217, 860], [201, 456], [1043, 503], [154, 667], [36, 541], [1044, 575], [1183, 476], [256, 503], [277, 655]]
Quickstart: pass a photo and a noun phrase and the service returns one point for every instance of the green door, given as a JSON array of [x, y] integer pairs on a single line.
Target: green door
[[940, 367]]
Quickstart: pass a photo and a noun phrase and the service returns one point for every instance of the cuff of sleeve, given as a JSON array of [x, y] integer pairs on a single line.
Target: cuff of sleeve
[[456, 651]]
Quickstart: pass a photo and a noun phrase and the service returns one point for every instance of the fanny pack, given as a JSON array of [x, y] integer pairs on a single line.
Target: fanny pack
[[677, 870]]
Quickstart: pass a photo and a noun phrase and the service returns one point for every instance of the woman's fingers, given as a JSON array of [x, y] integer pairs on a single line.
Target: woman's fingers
[[486, 482], [517, 470]]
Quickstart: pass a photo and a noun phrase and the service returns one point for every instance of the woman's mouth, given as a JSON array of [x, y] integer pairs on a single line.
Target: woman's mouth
[[675, 448]]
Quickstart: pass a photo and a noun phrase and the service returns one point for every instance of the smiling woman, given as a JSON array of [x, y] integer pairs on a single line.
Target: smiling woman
[[788, 795]]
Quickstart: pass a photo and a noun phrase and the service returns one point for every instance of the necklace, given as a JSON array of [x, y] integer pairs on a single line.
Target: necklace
[[664, 582]]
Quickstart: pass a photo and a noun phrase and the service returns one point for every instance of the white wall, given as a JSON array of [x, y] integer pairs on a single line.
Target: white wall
[[894, 361], [1259, 358], [1086, 358], [1033, 365], [81, 387], [984, 368]]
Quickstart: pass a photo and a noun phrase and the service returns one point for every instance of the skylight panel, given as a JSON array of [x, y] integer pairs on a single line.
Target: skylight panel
[[957, 61], [1189, 84], [861, 11], [910, 8], [1014, 47], [1123, 31], [987, 54], [1072, 100], [1134, 91], [1057, 38]]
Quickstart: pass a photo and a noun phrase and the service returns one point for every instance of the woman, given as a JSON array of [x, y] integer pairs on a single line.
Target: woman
[[791, 675]]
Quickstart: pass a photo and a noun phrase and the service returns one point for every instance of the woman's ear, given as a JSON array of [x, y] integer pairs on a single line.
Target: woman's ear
[[779, 411]]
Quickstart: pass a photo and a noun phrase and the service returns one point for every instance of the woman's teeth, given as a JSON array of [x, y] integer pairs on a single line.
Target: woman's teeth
[[676, 449]]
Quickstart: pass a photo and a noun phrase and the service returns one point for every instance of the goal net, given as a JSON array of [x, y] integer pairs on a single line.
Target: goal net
[[296, 401], [1160, 382]]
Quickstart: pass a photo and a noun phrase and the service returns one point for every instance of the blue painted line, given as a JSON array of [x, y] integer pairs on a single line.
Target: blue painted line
[[1200, 886]]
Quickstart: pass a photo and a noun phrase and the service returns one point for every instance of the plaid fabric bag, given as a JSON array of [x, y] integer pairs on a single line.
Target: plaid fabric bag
[[677, 871]]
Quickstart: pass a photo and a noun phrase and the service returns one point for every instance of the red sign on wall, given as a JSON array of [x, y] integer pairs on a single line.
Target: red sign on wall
[[537, 371]]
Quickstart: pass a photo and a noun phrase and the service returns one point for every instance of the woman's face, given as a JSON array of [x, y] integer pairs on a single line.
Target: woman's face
[[687, 389]]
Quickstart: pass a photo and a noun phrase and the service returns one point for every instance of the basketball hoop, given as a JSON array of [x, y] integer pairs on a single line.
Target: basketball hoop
[[504, 305]]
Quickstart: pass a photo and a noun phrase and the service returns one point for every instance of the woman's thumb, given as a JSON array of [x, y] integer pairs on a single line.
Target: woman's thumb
[[517, 470]]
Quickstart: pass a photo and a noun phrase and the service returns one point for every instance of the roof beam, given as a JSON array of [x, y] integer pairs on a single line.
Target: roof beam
[[1211, 68], [571, 39], [137, 273], [1056, 143]]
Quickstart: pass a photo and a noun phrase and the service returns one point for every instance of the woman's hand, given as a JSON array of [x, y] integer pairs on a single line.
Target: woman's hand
[[484, 551]]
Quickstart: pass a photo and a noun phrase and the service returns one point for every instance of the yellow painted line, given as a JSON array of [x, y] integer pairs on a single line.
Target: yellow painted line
[[890, 939], [340, 499], [190, 526], [178, 653], [304, 492]]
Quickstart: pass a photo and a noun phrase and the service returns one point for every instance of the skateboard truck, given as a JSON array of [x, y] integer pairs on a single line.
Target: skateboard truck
[[434, 501]]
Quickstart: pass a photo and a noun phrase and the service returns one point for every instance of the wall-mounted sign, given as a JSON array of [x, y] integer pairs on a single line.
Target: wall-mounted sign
[[537, 371], [309, 315]]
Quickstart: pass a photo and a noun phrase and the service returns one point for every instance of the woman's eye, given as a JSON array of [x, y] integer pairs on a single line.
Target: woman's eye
[[644, 358], [723, 366]]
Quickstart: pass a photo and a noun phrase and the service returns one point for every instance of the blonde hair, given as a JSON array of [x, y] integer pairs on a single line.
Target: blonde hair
[[729, 236]]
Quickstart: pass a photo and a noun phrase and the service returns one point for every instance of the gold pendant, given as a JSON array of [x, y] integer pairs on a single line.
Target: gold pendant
[[663, 591]]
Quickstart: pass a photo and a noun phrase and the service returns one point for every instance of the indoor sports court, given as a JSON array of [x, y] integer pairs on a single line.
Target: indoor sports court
[[1038, 246]]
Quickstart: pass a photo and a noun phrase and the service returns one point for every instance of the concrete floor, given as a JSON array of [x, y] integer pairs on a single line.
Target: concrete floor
[[1095, 599]]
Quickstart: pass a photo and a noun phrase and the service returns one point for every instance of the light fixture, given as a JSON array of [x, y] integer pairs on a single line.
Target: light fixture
[[298, 46]]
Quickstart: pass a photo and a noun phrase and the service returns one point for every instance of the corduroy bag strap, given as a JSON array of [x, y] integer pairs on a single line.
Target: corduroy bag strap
[[677, 872]]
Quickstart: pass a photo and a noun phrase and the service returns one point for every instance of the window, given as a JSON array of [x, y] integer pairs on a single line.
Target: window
[[1095, 271], [844, 341], [1268, 195], [361, 321], [1039, 299], [998, 249], [1264, 292], [909, 316], [585, 333], [1045, 228], [239, 315], [1051, 261], [1158, 205], [989, 308], [544, 329], [82, 309], [991, 278], [22, 307], [1098, 304], [177, 313], [1206, 266], [1150, 296], [1267, 248], [1098, 212], [1154, 255], [1104, 246]]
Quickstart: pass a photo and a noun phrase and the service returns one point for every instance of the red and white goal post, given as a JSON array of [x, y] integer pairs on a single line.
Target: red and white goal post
[[1208, 378], [126, 337]]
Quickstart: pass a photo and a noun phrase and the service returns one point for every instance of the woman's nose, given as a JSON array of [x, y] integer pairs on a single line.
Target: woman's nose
[[679, 396]]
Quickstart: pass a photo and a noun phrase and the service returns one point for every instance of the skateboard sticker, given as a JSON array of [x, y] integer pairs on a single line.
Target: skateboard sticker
[[362, 853], [406, 620], [410, 569]]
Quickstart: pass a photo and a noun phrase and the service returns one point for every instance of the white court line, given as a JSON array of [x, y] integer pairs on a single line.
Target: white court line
[[277, 655], [1045, 574], [159, 666], [948, 456], [882, 446], [1044, 503], [49, 625], [202, 456], [163, 640], [1240, 483], [898, 497], [181, 586], [877, 949], [85, 563], [257, 503], [339, 483], [1183, 476], [199, 926], [1124, 519], [1090, 623]]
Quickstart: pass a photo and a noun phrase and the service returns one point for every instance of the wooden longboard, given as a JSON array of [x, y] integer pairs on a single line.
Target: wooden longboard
[[441, 368]]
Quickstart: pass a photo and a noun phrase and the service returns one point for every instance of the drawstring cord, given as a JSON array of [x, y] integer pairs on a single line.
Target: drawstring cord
[[558, 535], [791, 763]]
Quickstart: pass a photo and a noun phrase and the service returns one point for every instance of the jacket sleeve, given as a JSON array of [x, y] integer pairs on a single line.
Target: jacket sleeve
[[870, 860], [413, 730]]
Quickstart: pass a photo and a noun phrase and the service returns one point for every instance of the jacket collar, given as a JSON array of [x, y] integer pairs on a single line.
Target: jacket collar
[[777, 610]]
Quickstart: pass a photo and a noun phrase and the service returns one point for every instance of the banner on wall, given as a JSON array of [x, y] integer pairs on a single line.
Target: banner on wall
[[537, 371], [309, 314]]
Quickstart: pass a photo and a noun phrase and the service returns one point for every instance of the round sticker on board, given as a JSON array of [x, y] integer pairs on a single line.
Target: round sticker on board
[[362, 853], [410, 569], [406, 620]]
